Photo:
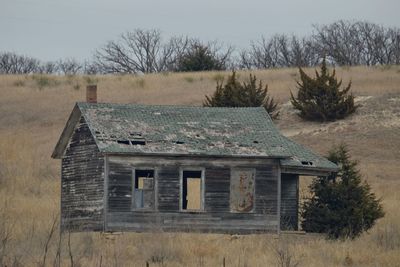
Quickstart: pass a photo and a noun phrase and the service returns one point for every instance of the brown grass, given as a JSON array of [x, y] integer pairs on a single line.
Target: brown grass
[[34, 110]]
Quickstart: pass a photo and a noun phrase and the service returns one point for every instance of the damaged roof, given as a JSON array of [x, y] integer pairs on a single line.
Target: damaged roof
[[181, 130]]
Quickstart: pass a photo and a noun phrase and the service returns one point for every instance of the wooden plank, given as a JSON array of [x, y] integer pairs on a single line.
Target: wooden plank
[[82, 182], [216, 196], [202, 222]]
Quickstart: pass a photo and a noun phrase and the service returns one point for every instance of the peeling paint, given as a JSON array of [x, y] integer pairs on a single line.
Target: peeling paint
[[242, 190]]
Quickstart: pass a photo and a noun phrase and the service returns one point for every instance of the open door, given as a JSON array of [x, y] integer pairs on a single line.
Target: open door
[[289, 202]]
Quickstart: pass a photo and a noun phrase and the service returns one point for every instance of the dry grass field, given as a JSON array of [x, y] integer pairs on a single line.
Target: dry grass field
[[33, 112]]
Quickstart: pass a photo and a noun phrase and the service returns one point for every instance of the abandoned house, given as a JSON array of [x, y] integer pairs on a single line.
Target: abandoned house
[[128, 167]]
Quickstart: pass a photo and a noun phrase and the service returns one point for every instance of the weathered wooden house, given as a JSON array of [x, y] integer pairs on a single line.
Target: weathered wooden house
[[139, 168]]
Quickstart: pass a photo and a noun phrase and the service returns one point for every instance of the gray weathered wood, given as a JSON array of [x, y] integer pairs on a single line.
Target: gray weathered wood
[[216, 216], [82, 183]]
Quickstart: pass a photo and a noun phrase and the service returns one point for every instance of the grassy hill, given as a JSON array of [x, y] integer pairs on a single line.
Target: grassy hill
[[33, 112]]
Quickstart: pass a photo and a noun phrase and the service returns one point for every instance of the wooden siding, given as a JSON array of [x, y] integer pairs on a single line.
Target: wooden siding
[[119, 187], [167, 181], [290, 201], [217, 186], [230, 223], [82, 183], [216, 217]]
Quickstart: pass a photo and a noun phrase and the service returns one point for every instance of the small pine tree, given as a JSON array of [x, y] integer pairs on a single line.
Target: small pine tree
[[321, 99], [342, 206], [246, 94]]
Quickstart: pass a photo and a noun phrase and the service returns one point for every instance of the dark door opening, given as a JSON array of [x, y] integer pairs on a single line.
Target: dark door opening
[[289, 202]]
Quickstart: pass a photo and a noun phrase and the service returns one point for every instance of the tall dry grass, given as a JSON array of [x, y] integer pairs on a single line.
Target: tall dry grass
[[33, 112]]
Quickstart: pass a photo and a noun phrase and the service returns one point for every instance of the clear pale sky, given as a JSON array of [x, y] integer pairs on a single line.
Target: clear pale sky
[[53, 29]]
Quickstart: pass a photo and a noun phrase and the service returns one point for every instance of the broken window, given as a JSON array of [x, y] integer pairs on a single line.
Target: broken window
[[242, 190], [138, 141], [143, 192], [192, 190], [123, 142]]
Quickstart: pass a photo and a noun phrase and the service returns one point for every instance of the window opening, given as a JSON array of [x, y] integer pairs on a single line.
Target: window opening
[[143, 189], [192, 190]]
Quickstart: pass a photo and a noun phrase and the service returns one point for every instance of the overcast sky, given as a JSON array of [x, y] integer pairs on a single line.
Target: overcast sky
[[53, 29]]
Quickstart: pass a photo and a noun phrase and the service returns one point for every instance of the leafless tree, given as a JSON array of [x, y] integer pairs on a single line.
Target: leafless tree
[[265, 53], [261, 55], [69, 66], [140, 51], [358, 43], [340, 41], [394, 39], [145, 51], [386, 46], [11, 63], [223, 54], [49, 67], [303, 52], [90, 68], [172, 52], [278, 51]]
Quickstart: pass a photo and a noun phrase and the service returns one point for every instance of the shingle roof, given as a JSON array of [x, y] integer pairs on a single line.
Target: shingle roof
[[128, 128]]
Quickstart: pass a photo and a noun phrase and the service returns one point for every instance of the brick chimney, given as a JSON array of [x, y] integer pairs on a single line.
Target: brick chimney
[[91, 93]]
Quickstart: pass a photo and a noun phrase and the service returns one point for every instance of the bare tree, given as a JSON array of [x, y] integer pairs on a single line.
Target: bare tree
[[69, 66], [278, 51], [140, 51], [171, 52], [340, 41], [358, 43], [394, 40], [261, 55], [90, 68], [145, 51], [303, 52], [49, 67], [11, 63], [245, 60]]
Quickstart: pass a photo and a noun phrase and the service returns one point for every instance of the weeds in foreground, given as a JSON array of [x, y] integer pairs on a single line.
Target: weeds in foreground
[[387, 236], [284, 254]]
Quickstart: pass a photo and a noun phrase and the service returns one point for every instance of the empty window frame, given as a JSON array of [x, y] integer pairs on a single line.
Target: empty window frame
[[242, 190], [143, 189], [192, 190]]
